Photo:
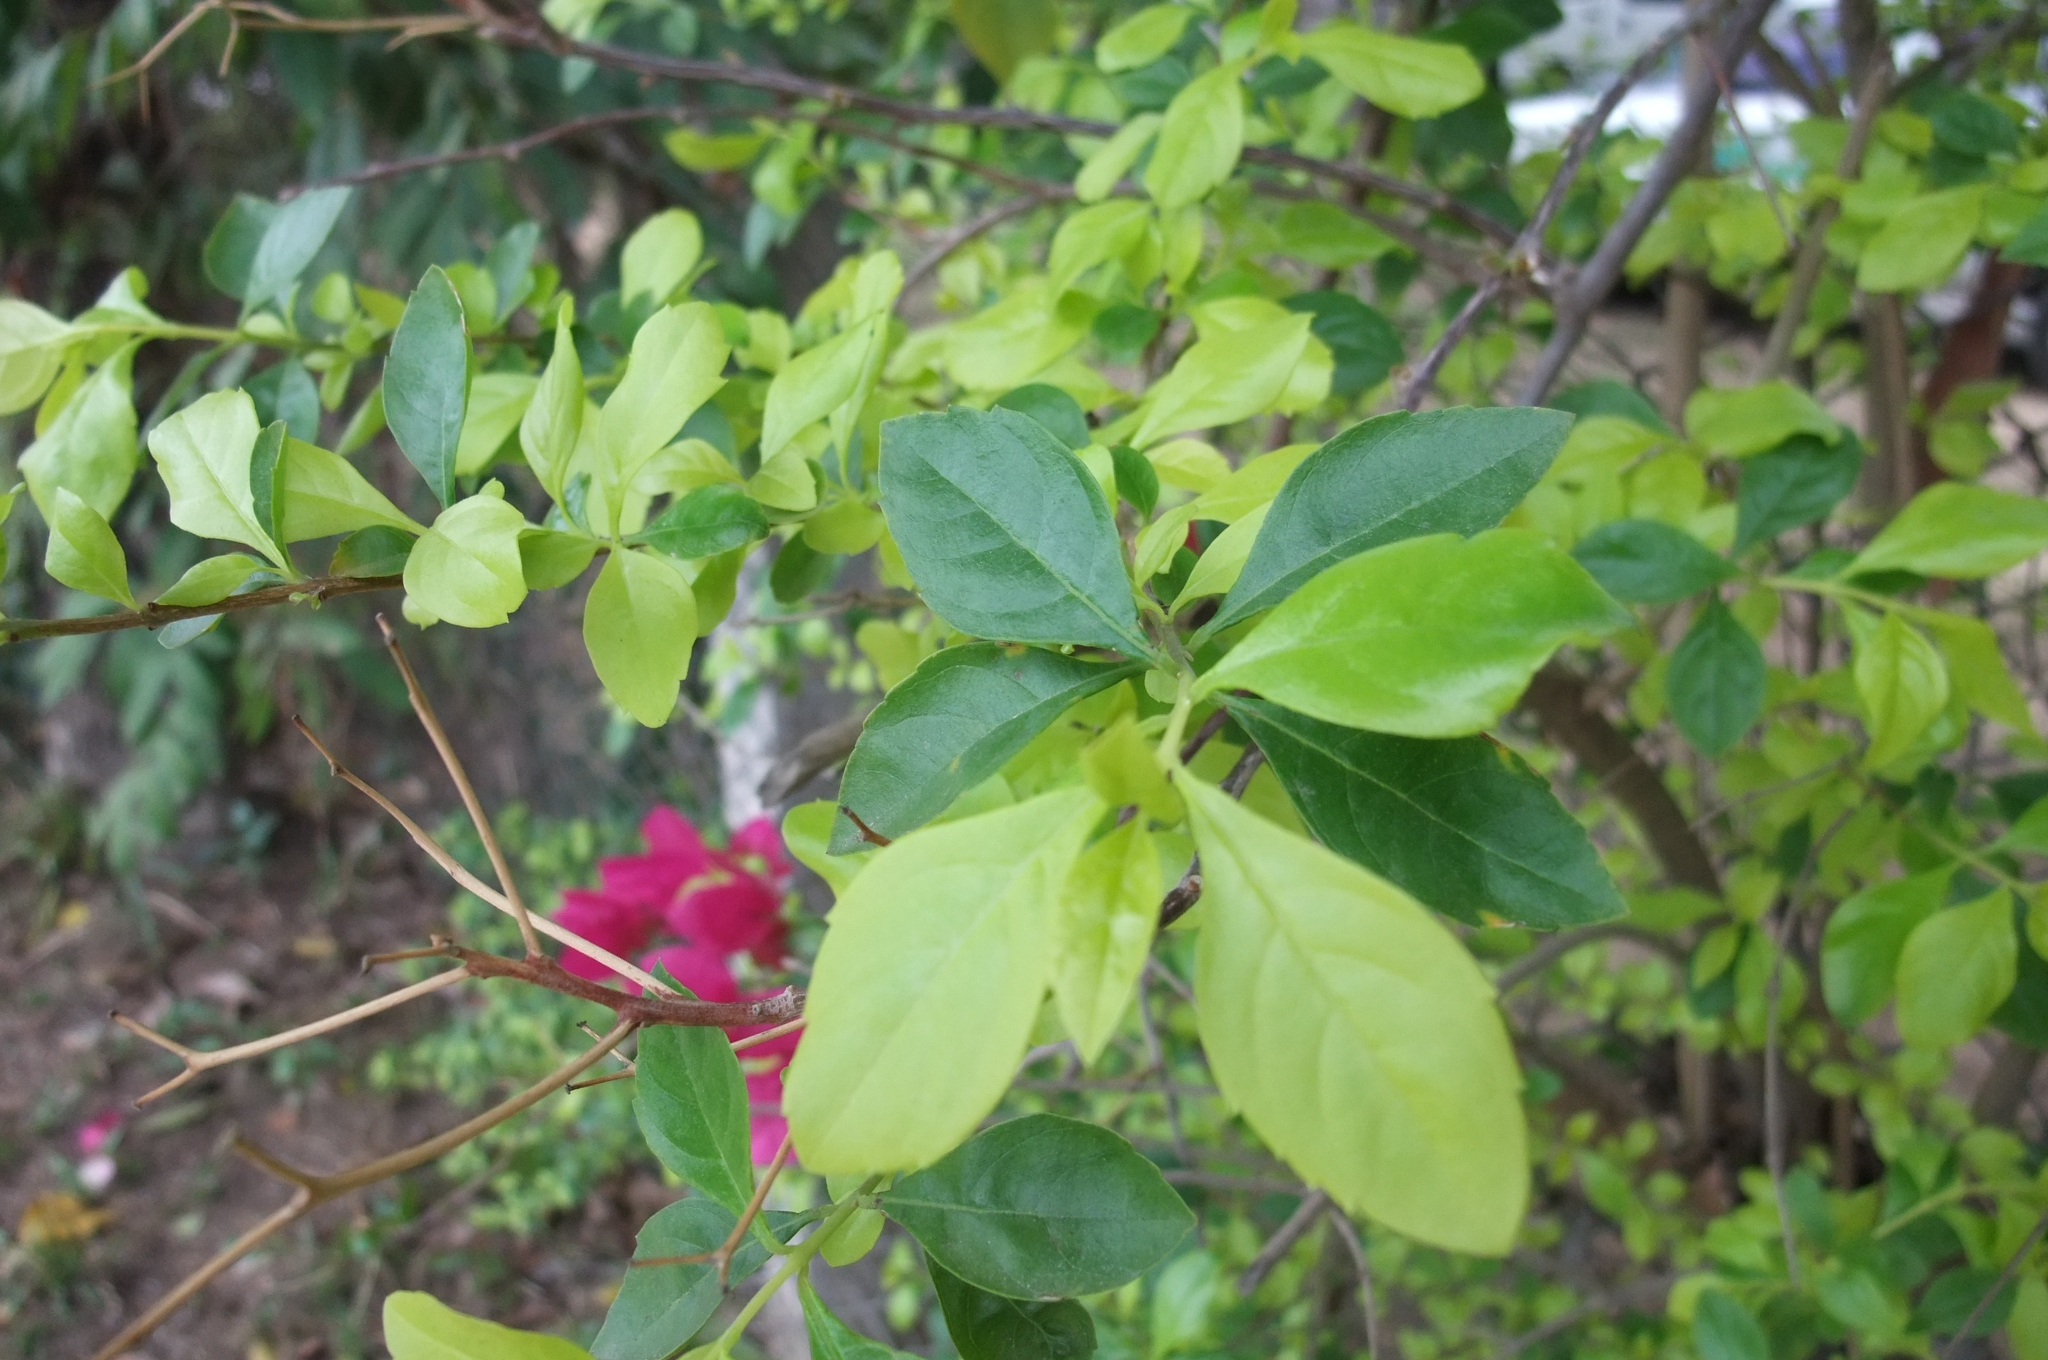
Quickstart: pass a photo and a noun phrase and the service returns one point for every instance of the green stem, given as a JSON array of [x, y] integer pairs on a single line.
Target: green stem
[[799, 1257], [1941, 1199], [1177, 722], [1834, 589]]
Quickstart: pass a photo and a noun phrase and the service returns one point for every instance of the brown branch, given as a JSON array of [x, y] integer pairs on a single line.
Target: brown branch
[[424, 710], [1590, 286], [510, 150], [1180, 899], [643, 1010], [1368, 1300], [310, 1192], [318, 589], [203, 1060], [1565, 942], [975, 228], [1280, 1243]]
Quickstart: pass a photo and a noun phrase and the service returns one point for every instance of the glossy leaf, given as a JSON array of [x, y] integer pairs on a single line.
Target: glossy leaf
[[1398, 476], [1859, 951], [202, 453], [83, 552], [1005, 530], [1464, 825], [1645, 561], [691, 1101], [465, 570], [426, 382], [1102, 934], [1957, 967], [1412, 77], [1430, 637], [955, 721], [659, 1308], [1715, 684], [420, 1327], [952, 920], [1901, 680], [1042, 1206], [985, 1326], [832, 1339], [639, 624], [1956, 530], [1355, 1034], [293, 236], [706, 522]]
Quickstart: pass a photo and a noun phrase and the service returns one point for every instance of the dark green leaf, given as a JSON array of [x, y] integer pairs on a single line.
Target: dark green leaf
[[1490, 29], [1006, 531], [1463, 824], [800, 570], [1971, 125], [1952, 1296], [708, 521], [379, 550], [1042, 1206], [832, 1339], [692, 1105], [266, 487], [1394, 477], [1606, 397], [1796, 483], [1137, 481], [507, 262], [1643, 561], [951, 724], [2024, 1013], [1722, 1329], [1715, 686], [1125, 329], [1052, 408], [659, 1308], [231, 246], [2029, 244], [291, 239], [985, 1326], [286, 391], [1364, 345], [426, 382]]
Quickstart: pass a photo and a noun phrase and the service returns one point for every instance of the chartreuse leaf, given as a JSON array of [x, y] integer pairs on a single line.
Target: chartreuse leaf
[[834, 379], [1398, 476], [638, 626], [426, 381], [465, 569], [956, 720], [1715, 684], [951, 921], [1957, 967], [659, 1308], [1901, 680], [203, 454], [1042, 1206], [553, 557], [1200, 137], [1122, 766], [1429, 637], [214, 578], [497, 403], [1006, 531], [1102, 934], [807, 832], [832, 1339], [1100, 173], [1002, 33], [420, 1327], [1922, 243], [1977, 669], [83, 552], [554, 418], [375, 551], [1645, 561], [692, 1105], [674, 368], [1740, 421], [323, 494], [1859, 951], [1959, 531], [985, 1326], [1223, 378], [90, 448], [1355, 1034], [1143, 38], [659, 256], [1464, 825], [1409, 76], [32, 344], [706, 522]]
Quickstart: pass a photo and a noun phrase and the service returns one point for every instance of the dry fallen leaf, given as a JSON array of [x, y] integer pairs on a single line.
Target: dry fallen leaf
[[60, 1216]]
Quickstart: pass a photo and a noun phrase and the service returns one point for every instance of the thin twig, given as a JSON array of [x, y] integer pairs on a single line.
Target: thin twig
[[1368, 1297], [2005, 1277], [204, 1060], [1713, 64], [318, 589], [423, 708], [723, 1254], [1280, 1243], [1557, 946], [649, 1008], [970, 230]]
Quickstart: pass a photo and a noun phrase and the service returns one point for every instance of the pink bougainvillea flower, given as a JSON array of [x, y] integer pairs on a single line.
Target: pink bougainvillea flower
[[764, 1102], [606, 921], [739, 914], [702, 970], [94, 1133], [675, 855], [762, 840]]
